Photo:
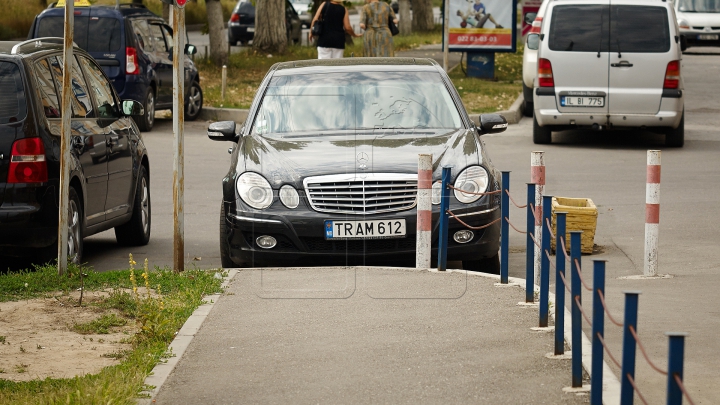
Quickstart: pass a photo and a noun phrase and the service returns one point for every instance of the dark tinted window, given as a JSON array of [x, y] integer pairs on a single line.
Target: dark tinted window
[[104, 99], [93, 34], [81, 103], [12, 103], [158, 38], [580, 28], [640, 29], [46, 88], [142, 32]]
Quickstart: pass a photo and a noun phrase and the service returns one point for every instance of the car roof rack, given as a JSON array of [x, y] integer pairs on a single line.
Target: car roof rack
[[36, 43], [132, 5]]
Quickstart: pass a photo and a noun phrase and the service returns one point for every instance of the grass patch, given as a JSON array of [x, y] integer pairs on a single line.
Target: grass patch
[[100, 326], [160, 309]]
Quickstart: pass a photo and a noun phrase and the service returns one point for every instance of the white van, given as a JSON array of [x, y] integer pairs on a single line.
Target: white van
[[609, 64]]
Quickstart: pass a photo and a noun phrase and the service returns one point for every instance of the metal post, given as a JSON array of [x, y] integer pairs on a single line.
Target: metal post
[[675, 366], [598, 328], [178, 23], [504, 228], [444, 219], [545, 263], [559, 284], [424, 212], [537, 176], [530, 245], [576, 288], [446, 34], [224, 82], [66, 137], [627, 392], [652, 212]]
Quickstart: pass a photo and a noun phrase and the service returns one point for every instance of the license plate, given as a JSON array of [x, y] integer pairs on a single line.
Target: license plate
[[251, 29], [708, 37], [378, 229], [574, 101]]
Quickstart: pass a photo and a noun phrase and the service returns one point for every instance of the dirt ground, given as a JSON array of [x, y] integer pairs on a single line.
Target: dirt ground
[[37, 340]]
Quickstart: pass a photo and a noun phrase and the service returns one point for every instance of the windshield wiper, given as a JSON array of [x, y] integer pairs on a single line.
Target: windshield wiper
[[601, 37], [619, 53], [569, 48]]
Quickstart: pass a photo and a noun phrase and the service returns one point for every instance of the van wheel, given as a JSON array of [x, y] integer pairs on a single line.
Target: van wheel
[[136, 232], [527, 101], [488, 265], [224, 248], [147, 120], [194, 102], [541, 135], [675, 137]]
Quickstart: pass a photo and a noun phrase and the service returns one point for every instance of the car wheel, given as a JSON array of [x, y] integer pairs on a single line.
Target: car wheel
[[136, 232], [527, 101], [74, 225], [541, 135], [194, 102], [224, 248], [147, 120], [488, 265], [675, 137]]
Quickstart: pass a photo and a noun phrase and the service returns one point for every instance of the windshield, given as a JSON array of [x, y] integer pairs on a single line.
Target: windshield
[[93, 34], [356, 100], [699, 6]]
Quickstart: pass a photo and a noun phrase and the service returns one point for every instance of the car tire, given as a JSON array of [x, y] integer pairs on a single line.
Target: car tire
[[224, 247], [147, 120], [527, 101], [194, 102], [136, 232], [489, 265], [675, 137], [541, 135], [75, 228]]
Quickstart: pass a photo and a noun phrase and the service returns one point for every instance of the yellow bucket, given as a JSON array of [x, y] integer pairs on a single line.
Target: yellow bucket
[[581, 216]]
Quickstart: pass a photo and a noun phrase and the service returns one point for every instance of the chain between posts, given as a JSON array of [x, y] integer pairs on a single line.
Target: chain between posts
[[564, 249], [513, 201], [562, 276], [678, 380], [547, 254], [637, 391], [474, 228], [547, 223], [513, 226], [607, 350], [602, 299], [642, 350], [579, 271], [577, 300]]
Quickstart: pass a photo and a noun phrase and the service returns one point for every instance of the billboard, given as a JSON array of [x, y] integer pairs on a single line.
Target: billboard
[[482, 25]]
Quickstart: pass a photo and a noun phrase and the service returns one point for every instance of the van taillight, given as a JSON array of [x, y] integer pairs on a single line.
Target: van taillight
[[27, 162], [672, 75], [535, 28], [234, 18], [131, 62], [545, 74]]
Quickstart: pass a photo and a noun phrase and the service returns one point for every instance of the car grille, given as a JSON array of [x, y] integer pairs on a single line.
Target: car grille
[[359, 246], [373, 194]]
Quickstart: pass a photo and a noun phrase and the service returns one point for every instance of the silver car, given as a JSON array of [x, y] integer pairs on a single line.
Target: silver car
[[609, 64]]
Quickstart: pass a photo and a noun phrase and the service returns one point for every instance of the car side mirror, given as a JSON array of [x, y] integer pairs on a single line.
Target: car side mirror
[[530, 17], [492, 124], [683, 43], [190, 49], [222, 131], [533, 41], [132, 108]]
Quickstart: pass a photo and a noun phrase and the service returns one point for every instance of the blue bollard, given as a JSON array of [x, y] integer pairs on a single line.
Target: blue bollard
[[530, 246], [545, 262], [559, 285], [627, 392], [504, 228], [576, 289], [675, 367], [444, 219], [598, 328]]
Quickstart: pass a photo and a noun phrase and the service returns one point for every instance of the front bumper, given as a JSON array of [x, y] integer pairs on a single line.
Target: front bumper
[[301, 239], [700, 37]]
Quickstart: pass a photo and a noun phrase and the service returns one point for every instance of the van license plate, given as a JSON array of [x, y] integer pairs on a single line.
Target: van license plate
[[708, 37], [379, 229], [573, 101]]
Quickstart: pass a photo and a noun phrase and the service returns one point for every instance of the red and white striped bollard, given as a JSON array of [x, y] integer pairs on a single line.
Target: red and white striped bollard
[[537, 176], [652, 213], [424, 212]]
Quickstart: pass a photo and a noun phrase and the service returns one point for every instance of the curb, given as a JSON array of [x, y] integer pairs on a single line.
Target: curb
[[182, 340], [512, 115], [162, 370]]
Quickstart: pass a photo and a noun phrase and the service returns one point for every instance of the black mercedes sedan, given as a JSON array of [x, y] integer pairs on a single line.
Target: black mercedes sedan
[[331, 147]]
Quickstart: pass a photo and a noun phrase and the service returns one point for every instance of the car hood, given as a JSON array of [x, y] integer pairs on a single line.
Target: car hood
[[288, 160], [700, 19]]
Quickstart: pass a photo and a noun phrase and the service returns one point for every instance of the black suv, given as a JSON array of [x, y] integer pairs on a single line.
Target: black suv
[[109, 166], [134, 48]]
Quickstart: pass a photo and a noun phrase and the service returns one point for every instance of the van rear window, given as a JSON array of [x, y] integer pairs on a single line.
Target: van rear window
[[93, 34], [13, 107], [617, 28]]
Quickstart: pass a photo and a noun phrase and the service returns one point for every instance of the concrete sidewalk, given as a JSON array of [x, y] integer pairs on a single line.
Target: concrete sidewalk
[[363, 335]]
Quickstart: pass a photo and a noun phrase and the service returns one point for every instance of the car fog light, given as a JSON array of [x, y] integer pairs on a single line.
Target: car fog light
[[266, 242], [463, 236]]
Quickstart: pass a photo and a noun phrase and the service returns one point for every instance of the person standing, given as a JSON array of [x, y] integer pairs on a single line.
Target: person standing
[[335, 23], [377, 40]]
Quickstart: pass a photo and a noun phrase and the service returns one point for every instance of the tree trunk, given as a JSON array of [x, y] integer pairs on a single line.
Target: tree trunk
[[270, 32], [422, 20], [218, 39], [405, 19]]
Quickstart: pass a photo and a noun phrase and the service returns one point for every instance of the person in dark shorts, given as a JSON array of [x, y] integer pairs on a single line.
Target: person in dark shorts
[[336, 22]]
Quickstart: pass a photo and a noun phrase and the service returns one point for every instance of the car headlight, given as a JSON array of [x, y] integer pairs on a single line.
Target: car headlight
[[683, 24], [474, 179], [289, 196], [436, 192], [255, 190]]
